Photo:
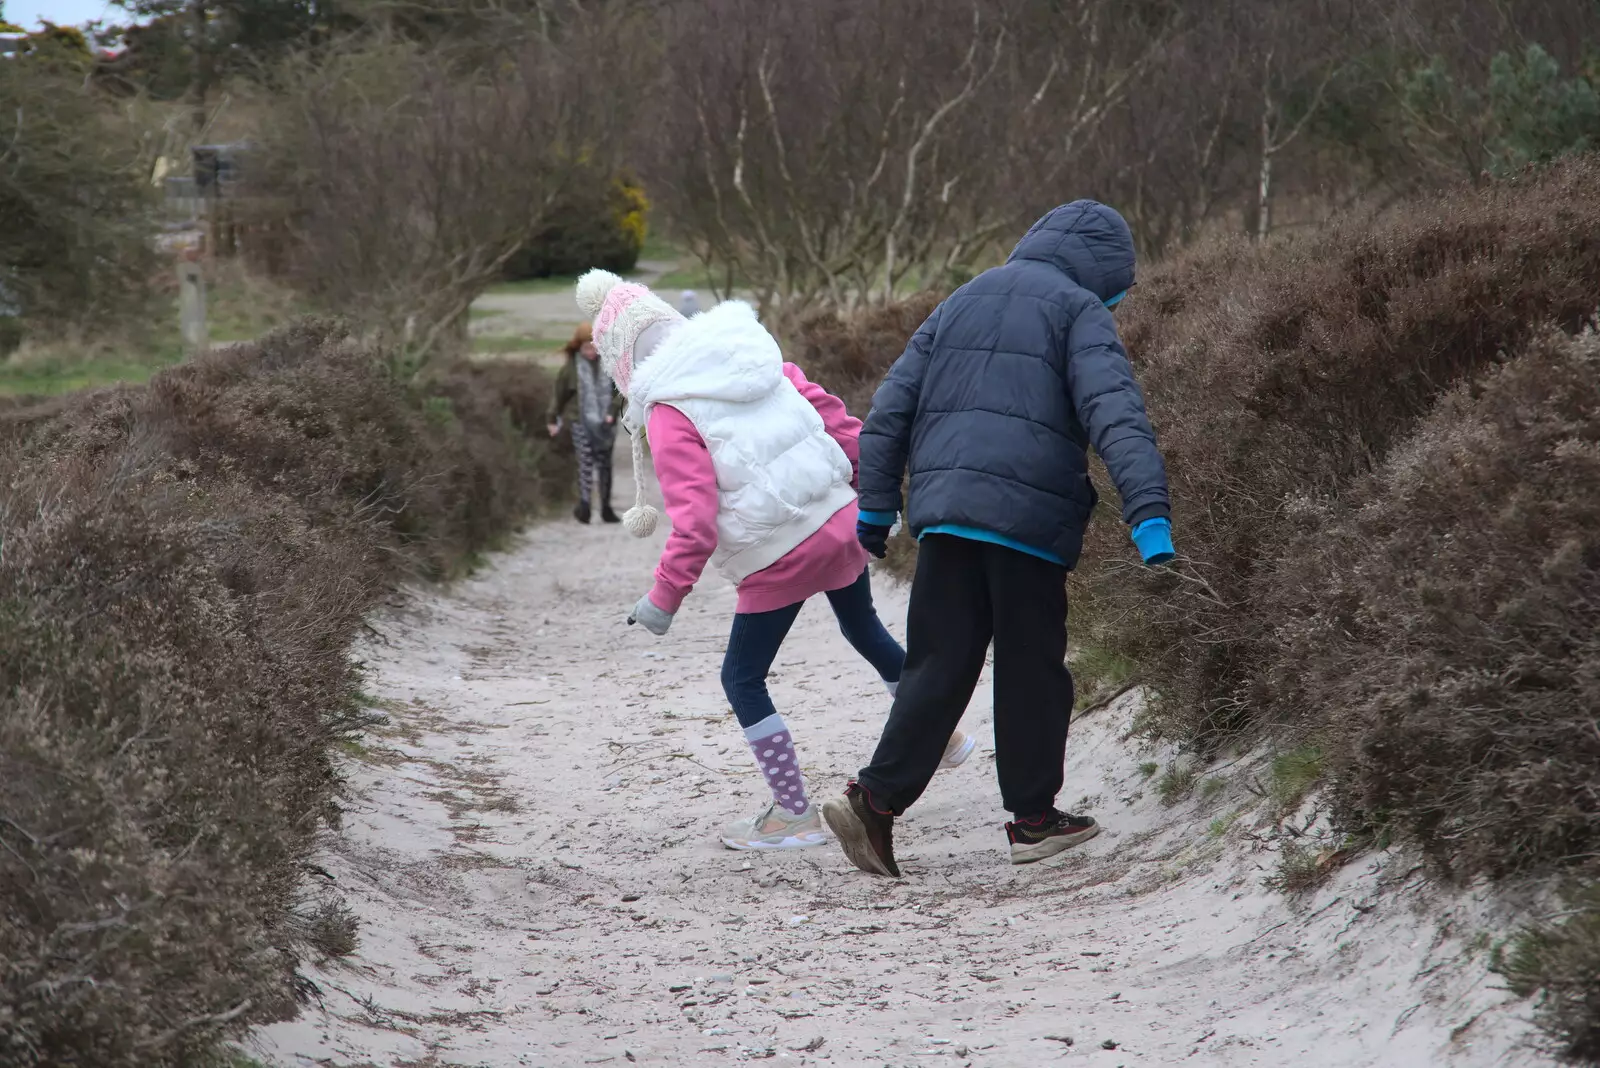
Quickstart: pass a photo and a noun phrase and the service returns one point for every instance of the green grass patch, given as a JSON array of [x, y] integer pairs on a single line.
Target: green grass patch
[[476, 312], [1176, 784], [1223, 824], [1558, 958], [242, 307], [1212, 788], [56, 374], [691, 274], [1298, 870], [1149, 768], [233, 1058], [239, 307], [1097, 672], [692, 277], [1294, 773], [660, 248], [1303, 867]]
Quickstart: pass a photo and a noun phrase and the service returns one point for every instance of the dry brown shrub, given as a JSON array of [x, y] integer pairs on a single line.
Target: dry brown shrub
[[1283, 373], [1443, 635], [848, 354], [1446, 629], [184, 568], [487, 395], [1558, 959]]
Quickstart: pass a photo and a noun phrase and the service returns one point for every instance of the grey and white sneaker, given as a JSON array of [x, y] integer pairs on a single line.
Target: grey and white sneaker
[[956, 752], [775, 827]]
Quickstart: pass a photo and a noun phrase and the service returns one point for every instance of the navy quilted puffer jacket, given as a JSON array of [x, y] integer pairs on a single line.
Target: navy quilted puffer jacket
[[997, 398]]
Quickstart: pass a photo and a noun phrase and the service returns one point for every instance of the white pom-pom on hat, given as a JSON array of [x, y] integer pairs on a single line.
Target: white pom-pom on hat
[[640, 522], [593, 288]]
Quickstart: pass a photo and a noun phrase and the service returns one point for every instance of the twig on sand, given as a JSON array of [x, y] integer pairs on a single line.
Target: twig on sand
[[670, 756], [1106, 701]]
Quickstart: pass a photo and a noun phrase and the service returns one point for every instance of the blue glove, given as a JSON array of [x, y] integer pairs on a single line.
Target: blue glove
[[873, 532], [1153, 537], [647, 615]]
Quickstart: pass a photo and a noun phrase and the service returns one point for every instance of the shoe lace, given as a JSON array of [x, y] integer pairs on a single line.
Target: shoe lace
[[764, 816]]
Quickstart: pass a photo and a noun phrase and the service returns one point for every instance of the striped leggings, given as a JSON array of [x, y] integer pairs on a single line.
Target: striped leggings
[[594, 465]]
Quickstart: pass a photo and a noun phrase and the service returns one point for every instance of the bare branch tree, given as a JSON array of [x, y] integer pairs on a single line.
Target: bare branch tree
[[841, 151], [1297, 49], [411, 179]]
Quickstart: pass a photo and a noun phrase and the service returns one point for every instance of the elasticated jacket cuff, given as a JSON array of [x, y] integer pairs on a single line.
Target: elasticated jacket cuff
[[667, 598], [1153, 510]]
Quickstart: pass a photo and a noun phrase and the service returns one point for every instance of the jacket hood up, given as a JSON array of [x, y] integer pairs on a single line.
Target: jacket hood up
[[1088, 242]]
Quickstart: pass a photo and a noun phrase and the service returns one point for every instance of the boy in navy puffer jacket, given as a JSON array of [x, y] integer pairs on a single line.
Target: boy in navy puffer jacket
[[992, 409]]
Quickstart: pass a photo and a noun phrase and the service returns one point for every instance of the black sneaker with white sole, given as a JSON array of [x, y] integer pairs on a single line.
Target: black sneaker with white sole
[[1046, 835]]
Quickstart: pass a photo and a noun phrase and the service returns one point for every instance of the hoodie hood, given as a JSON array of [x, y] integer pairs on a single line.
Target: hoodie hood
[[724, 354], [1088, 242]]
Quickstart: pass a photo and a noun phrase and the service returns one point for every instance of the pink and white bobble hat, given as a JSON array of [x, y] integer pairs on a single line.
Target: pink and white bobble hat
[[620, 312]]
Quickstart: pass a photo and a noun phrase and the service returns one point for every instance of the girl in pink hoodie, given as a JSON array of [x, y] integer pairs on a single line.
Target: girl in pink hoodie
[[757, 471]]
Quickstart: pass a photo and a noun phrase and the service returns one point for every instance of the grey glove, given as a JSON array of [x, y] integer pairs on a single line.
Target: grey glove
[[650, 617]]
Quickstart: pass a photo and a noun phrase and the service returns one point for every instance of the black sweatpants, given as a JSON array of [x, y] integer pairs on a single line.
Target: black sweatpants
[[966, 593]]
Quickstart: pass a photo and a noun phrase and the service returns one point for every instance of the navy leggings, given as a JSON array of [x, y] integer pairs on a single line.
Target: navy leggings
[[756, 636]]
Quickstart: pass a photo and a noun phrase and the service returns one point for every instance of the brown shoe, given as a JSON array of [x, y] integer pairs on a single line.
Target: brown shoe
[[865, 834]]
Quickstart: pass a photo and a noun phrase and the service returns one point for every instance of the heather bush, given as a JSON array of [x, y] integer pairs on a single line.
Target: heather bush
[[1443, 631], [490, 395], [1383, 477], [164, 765], [1284, 373], [848, 354], [1558, 959], [185, 565], [1444, 628]]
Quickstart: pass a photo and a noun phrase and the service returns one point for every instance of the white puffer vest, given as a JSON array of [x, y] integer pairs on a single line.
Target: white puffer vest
[[780, 477]]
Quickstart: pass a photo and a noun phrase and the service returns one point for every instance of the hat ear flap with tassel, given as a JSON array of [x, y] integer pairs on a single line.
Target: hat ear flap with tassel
[[640, 520], [621, 311]]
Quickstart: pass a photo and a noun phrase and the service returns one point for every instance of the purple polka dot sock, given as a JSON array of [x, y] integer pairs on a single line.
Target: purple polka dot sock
[[773, 746]]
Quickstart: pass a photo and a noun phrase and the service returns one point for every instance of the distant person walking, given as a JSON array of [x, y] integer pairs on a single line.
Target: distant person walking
[[594, 431], [757, 468], [992, 408]]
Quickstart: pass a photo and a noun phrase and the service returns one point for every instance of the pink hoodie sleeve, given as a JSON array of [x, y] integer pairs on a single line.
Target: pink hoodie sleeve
[[841, 425], [689, 490]]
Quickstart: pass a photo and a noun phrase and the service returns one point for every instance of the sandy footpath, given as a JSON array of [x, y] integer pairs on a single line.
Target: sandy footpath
[[531, 848]]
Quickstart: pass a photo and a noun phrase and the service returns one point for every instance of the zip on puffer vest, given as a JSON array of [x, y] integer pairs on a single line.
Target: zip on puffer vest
[[780, 477]]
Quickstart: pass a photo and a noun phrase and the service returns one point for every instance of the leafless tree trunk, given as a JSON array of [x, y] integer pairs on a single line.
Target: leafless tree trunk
[[1277, 131]]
